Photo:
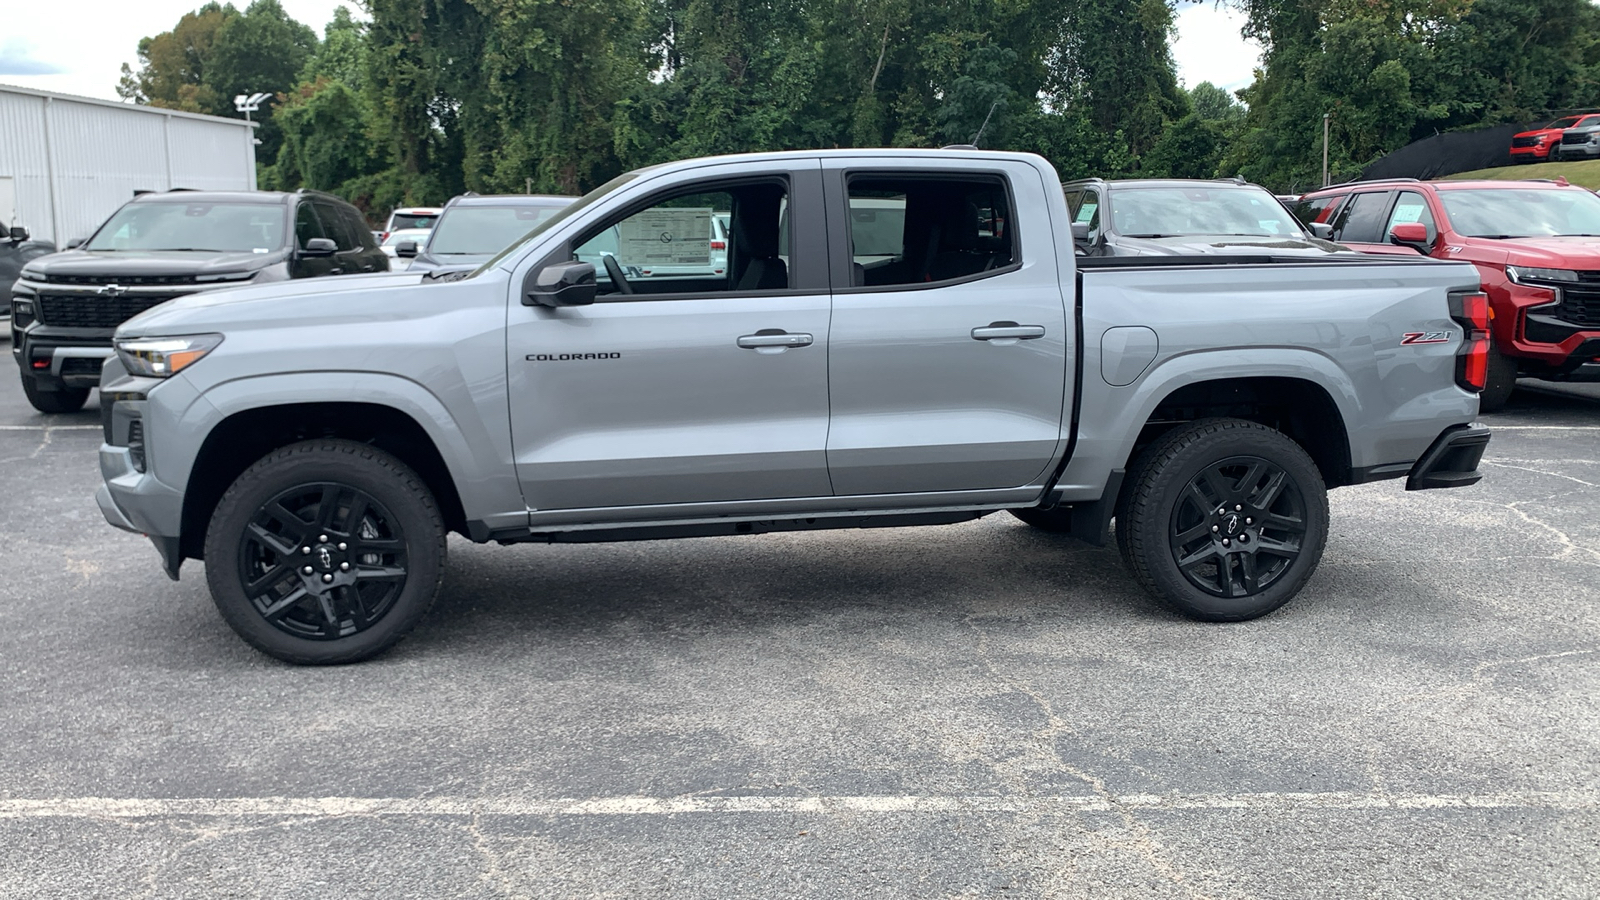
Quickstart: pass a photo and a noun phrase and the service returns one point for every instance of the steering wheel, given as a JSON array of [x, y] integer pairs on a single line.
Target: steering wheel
[[614, 269]]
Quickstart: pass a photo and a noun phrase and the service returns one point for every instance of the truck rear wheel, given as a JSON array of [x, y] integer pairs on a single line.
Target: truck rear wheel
[[325, 552], [63, 401], [1223, 519]]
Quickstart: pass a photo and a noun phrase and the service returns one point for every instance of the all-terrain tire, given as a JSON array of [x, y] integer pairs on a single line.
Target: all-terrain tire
[[1253, 481], [62, 401], [298, 515]]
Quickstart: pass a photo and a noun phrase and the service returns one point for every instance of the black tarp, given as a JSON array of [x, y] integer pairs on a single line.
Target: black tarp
[[1447, 154]]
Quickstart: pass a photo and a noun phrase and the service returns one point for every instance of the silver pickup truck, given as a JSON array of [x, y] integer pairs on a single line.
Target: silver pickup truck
[[888, 338]]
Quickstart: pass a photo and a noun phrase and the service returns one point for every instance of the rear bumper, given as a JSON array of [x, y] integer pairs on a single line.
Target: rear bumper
[[1452, 460]]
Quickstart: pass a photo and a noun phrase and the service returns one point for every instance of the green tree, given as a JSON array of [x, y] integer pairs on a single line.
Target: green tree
[[174, 66], [217, 53], [1213, 104]]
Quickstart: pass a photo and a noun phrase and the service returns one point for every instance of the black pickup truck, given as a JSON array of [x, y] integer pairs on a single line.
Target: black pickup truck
[[158, 246]]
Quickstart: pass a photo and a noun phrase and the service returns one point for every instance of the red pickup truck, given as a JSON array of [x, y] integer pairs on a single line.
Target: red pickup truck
[[1545, 143], [1536, 245]]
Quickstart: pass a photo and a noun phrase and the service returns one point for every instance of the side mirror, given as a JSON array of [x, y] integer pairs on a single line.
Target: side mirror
[[75, 243], [319, 247], [1080, 232], [561, 284], [1413, 235], [405, 249], [1321, 230], [18, 233]]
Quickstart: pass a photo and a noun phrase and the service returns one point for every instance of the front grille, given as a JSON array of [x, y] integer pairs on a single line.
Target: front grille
[[1524, 142], [92, 311], [1580, 305], [119, 279], [1570, 138], [1579, 302]]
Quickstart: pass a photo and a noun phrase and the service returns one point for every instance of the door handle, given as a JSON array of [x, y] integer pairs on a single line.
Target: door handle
[[1007, 330], [773, 340]]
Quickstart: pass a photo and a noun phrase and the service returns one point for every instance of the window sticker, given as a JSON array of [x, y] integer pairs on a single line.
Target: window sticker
[[1085, 213], [666, 237], [1405, 214]]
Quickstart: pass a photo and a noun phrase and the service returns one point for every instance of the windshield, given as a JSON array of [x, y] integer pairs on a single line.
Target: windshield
[[1510, 213], [213, 227], [561, 215], [1210, 210], [484, 229], [1568, 122]]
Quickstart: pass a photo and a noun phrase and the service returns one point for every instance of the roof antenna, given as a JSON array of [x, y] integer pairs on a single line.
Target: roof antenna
[[974, 141]]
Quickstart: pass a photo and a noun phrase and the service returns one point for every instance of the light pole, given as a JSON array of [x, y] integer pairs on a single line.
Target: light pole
[[249, 103], [1325, 118]]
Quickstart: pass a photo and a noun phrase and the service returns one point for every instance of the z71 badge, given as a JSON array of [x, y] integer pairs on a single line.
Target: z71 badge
[[1425, 337]]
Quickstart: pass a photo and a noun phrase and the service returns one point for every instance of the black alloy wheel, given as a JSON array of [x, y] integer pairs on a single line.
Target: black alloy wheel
[[1224, 519], [325, 552], [1238, 527], [323, 561]]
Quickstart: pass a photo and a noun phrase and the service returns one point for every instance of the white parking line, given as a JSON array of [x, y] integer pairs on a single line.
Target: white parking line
[[50, 427], [331, 807], [1493, 427]]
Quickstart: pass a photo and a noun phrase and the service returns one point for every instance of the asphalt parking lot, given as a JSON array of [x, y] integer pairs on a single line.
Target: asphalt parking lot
[[973, 710]]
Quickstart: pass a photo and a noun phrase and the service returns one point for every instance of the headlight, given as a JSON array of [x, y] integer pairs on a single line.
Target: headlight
[[1524, 274], [21, 312], [1541, 138], [163, 356]]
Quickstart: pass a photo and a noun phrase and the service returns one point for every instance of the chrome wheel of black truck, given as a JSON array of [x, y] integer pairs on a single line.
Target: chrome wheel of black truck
[[1224, 519], [325, 552]]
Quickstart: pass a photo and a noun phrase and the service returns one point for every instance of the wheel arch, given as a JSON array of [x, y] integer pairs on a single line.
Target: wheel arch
[[248, 434], [1300, 408]]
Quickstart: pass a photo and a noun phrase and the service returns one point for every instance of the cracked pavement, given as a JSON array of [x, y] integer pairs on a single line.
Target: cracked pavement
[[972, 710]]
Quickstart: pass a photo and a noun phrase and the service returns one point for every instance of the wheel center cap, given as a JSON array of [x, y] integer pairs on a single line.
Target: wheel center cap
[[324, 559], [1231, 523]]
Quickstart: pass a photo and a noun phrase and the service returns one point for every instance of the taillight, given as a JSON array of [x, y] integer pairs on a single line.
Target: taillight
[[719, 245], [1472, 312]]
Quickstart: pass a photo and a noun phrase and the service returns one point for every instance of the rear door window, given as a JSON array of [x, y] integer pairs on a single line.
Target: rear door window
[[908, 230]]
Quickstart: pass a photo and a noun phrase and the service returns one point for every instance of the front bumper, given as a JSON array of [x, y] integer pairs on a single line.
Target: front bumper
[[132, 497], [1452, 460], [57, 358], [134, 501]]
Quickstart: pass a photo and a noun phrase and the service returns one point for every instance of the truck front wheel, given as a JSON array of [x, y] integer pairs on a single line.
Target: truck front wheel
[[326, 551], [63, 401], [1224, 519], [1499, 383]]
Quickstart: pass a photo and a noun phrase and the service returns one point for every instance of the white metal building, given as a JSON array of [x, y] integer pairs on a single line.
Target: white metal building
[[66, 163]]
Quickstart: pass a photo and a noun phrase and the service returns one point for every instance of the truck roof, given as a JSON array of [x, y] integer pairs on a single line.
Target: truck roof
[[893, 153]]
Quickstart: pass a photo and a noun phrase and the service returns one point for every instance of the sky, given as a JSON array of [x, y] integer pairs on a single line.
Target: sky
[[36, 51]]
